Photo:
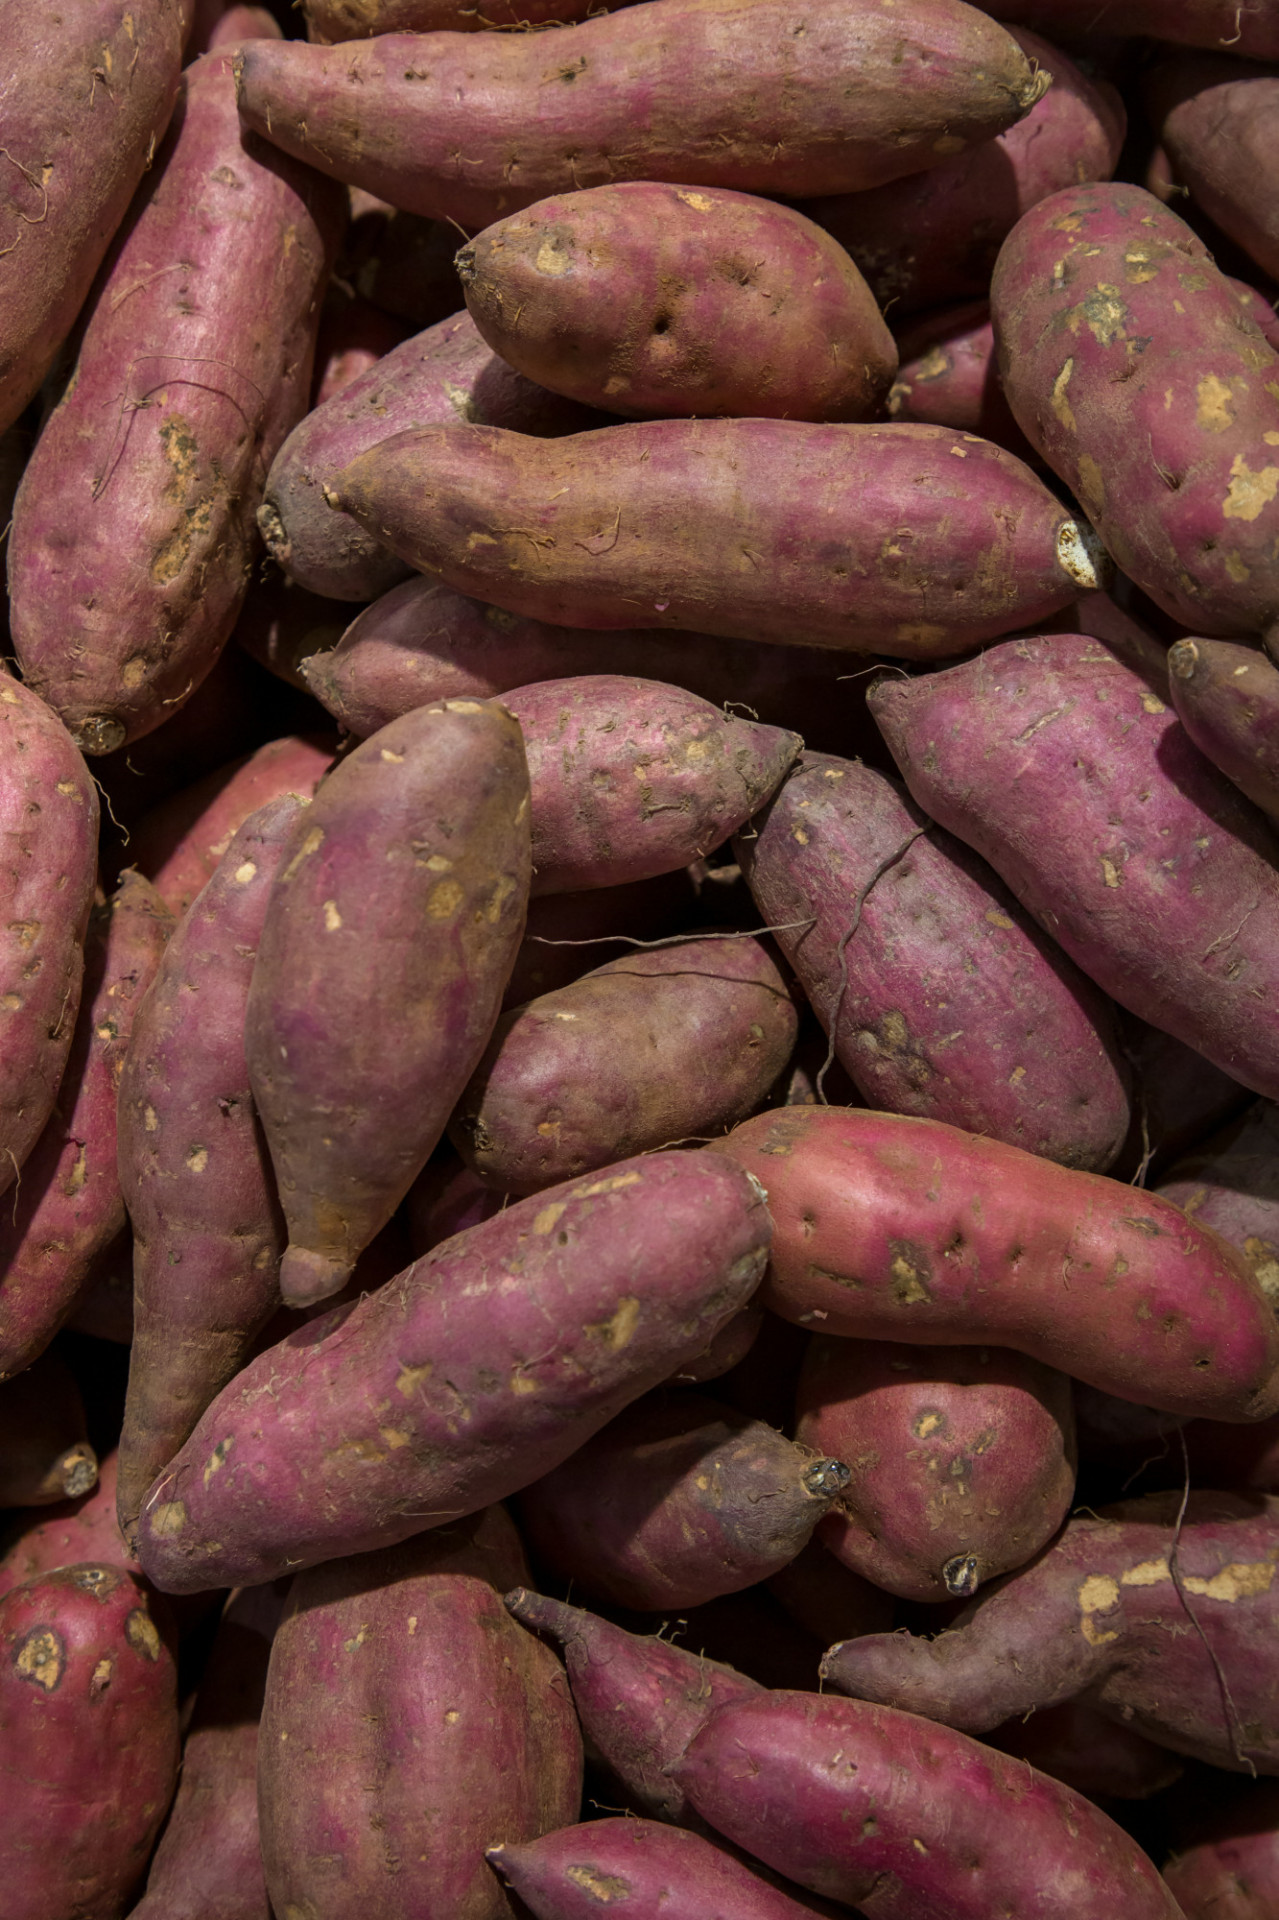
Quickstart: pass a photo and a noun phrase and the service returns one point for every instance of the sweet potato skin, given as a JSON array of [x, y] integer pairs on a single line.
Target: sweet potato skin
[[1159, 879], [854, 100], [928, 542], [946, 1000], [1227, 1868], [892, 1228], [1227, 699], [947, 377], [328, 22], [122, 602], [655, 300], [43, 1539], [1230, 1182], [1216, 119], [635, 1269], [661, 1872]]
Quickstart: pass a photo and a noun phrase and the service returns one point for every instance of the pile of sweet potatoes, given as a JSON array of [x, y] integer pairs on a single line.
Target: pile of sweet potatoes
[[639, 960]]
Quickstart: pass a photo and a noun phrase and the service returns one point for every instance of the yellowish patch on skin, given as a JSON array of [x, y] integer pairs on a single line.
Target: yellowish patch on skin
[[1113, 875], [312, 843], [438, 863], [1241, 1580], [928, 1423], [1138, 266], [604, 1887], [1151, 702], [244, 872], [621, 1324], [41, 1658], [522, 1382], [168, 1519], [1092, 484], [500, 895], [545, 1221], [920, 634], [907, 1284], [358, 1638], [332, 918], [101, 1676], [443, 901], [552, 259], [462, 706], [1147, 1573], [1236, 567], [140, 1632], [998, 919], [393, 759], [409, 1379], [949, 143], [198, 1159], [1061, 406], [799, 835], [1098, 1594], [612, 1185], [217, 1459], [1214, 405], [697, 201], [394, 1437], [1249, 491]]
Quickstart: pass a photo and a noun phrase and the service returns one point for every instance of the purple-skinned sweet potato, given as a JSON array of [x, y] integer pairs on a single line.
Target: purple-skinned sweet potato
[[1227, 699], [1097, 1756], [1227, 1866], [961, 1460], [442, 375], [1062, 767], [1230, 1182], [947, 377], [620, 1279], [1168, 1628], [655, 301], [1133, 372], [700, 92], [329, 22], [68, 1206], [1217, 118], [45, 1454], [909, 1821], [193, 1164], [131, 541], [892, 1228], [87, 91], [43, 1539], [1245, 26], [405, 887], [946, 1000], [678, 1500], [88, 1742], [933, 236], [904, 540], [647, 1050], [454, 1726]]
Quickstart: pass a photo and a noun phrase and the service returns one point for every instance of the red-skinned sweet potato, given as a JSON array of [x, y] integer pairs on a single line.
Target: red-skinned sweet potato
[[193, 1164], [45, 1538], [45, 1454], [947, 377], [1227, 699], [1230, 1182], [406, 885], [1247, 26], [1097, 1756], [904, 540], [1227, 1866], [1217, 119], [962, 1460], [185, 383], [620, 1279], [891, 1228]]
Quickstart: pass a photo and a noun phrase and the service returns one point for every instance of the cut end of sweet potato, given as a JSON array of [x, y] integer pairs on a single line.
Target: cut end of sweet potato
[[1083, 557]]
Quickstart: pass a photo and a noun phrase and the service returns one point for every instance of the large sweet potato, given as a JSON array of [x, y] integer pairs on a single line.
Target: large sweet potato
[[1227, 699], [1218, 121]]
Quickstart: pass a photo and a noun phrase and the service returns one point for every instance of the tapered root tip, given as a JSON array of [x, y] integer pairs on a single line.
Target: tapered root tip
[[307, 1278]]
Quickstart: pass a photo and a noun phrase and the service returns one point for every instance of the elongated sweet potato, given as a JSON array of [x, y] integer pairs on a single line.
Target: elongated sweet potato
[[1218, 121], [86, 1528], [620, 1279], [1227, 1866], [331, 21], [88, 1742], [891, 1228], [1230, 1182], [87, 93], [962, 1460], [454, 1726], [131, 531], [1165, 1626], [660, 1872], [654, 300], [405, 886], [1097, 1756], [1246, 26], [1060, 765], [700, 92], [908, 1821], [45, 1454], [1227, 699], [905, 540], [945, 999], [947, 377], [193, 1164]]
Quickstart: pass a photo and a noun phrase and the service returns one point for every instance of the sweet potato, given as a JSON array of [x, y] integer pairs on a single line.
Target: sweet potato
[[926, 542], [1217, 119], [354, 337], [1247, 26], [1166, 1626], [131, 531], [1063, 768], [892, 1228], [193, 1164], [405, 886], [962, 1460], [1227, 699], [45, 1538], [700, 92], [1131, 369], [87, 90], [724, 1351], [1227, 1866], [1230, 1182], [453, 1725], [620, 1279], [933, 236], [655, 301], [444, 374], [330, 21], [45, 1454], [68, 1206], [1098, 1757], [909, 1821], [945, 998], [947, 377]]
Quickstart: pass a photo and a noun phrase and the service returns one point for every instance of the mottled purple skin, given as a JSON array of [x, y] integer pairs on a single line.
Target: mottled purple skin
[[640, 1699], [677, 1044], [331, 21], [660, 301], [132, 530], [1245, 26], [947, 1001], [1227, 699], [405, 886], [827, 1599], [409, 1724], [194, 1168], [86, 91], [1131, 368], [41, 1539], [892, 1228], [910, 1821], [1099, 1615], [677, 1501], [1099, 1757], [1229, 1869], [445, 374], [359, 1441], [1217, 119], [208, 1865], [1064, 769], [68, 1206], [933, 236], [44, 1452], [658, 1872], [962, 1460], [701, 92], [947, 377], [1230, 1182], [88, 1742], [928, 542], [49, 837]]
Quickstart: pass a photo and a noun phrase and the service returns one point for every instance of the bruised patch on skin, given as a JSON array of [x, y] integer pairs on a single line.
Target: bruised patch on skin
[[910, 1272], [41, 1658], [1098, 1594], [140, 1632], [1214, 405]]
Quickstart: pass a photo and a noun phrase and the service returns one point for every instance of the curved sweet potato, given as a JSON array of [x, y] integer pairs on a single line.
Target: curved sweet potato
[[1227, 699], [45, 1454], [1218, 121], [660, 1872]]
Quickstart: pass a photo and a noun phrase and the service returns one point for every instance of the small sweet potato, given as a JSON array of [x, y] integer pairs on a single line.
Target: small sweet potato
[[1217, 119], [947, 377], [1227, 699], [45, 1454], [1097, 1756], [892, 1228], [1230, 1182], [45, 1538], [1227, 1866]]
